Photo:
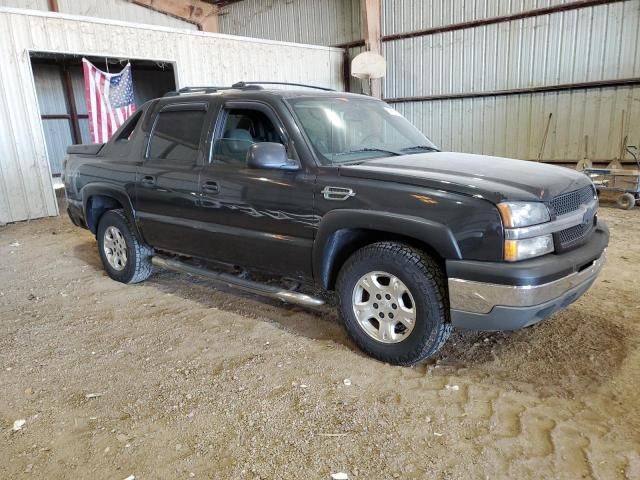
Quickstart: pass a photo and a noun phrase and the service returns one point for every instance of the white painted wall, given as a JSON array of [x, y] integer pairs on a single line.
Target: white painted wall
[[200, 58]]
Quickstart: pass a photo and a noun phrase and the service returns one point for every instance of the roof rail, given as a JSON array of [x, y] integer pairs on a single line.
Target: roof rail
[[249, 84], [202, 89], [239, 86], [209, 89]]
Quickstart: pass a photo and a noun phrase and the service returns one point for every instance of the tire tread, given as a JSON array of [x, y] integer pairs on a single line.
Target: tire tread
[[428, 267], [142, 252]]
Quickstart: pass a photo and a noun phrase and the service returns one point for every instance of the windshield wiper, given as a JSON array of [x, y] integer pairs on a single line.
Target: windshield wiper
[[421, 147], [367, 149]]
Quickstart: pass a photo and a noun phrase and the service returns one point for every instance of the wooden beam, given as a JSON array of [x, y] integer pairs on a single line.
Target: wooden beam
[[71, 104], [372, 27], [203, 14]]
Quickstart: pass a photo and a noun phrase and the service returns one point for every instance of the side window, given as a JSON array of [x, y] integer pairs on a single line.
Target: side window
[[243, 128], [176, 136]]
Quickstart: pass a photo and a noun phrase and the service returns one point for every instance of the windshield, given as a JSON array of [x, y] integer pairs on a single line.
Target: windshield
[[352, 130]]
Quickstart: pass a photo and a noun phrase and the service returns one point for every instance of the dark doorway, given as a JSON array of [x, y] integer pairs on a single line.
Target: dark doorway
[[60, 89]]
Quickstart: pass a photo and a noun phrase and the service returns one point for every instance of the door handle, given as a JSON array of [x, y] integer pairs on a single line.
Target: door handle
[[148, 180], [210, 187]]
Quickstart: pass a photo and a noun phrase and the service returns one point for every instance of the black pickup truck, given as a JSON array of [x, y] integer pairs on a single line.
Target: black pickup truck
[[339, 192]]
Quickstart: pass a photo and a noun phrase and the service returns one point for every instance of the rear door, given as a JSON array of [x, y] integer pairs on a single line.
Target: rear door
[[255, 217], [167, 182]]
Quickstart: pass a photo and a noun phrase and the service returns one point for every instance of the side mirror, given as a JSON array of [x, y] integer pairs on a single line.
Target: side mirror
[[270, 156]]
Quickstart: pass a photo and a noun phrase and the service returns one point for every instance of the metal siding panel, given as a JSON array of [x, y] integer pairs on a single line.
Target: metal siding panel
[[122, 10], [25, 170], [57, 134], [85, 134], [29, 4], [320, 22], [514, 126], [12, 196], [409, 15], [595, 43], [49, 89]]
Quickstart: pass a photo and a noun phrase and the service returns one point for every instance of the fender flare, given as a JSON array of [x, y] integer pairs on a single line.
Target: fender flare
[[118, 193], [329, 238]]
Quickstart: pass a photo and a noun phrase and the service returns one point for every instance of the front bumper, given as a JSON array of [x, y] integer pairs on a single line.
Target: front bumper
[[521, 297]]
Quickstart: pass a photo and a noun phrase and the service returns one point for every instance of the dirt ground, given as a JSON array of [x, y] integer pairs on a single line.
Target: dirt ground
[[175, 378]]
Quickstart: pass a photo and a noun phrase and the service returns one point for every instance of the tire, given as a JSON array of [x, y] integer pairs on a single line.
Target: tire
[[393, 341], [130, 259], [626, 201]]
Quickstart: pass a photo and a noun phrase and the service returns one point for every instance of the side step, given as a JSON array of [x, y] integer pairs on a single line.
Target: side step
[[239, 283]]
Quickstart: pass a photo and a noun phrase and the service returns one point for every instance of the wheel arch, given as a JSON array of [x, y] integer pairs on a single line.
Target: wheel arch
[[98, 199], [342, 232]]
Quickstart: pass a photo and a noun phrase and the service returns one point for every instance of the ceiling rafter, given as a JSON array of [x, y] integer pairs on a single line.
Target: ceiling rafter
[[221, 3], [203, 14]]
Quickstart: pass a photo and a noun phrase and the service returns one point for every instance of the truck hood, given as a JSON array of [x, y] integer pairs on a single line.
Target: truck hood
[[493, 178]]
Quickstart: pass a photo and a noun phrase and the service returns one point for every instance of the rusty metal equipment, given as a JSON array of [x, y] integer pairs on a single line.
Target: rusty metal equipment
[[621, 184]]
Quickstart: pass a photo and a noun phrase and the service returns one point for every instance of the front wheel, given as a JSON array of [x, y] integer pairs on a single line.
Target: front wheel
[[125, 258], [393, 301]]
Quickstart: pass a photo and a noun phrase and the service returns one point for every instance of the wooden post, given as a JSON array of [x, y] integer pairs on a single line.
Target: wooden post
[[372, 29], [210, 23], [53, 5], [71, 103]]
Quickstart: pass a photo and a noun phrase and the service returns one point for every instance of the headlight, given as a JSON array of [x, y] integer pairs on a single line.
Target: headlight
[[523, 214], [515, 250]]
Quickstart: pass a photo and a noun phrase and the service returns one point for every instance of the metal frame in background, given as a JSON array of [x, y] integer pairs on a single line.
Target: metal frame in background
[[72, 111]]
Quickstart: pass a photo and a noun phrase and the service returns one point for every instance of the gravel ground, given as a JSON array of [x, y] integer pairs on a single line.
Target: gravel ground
[[174, 378]]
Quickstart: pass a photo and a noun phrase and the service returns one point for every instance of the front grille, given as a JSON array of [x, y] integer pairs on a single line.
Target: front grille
[[569, 202], [574, 236]]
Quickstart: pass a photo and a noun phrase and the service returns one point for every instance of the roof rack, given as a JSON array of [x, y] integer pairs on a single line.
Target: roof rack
[[239, 86], [249, 84], [201, 89]]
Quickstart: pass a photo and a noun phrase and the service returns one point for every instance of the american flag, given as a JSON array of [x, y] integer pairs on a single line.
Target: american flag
[[109, 100]]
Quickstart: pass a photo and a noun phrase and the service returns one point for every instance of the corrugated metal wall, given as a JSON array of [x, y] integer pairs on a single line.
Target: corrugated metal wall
[[408, 15], [105, 9], [319, 22], [200, 58], [57, 132], [121, 10], [584, 45]]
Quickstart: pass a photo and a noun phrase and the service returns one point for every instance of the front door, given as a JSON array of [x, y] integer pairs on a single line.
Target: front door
[[256, 218], [167, 182]]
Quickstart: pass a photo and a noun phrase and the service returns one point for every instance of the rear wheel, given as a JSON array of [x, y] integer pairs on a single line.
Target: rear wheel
[[124, 257], [626, 201], [393, 302]]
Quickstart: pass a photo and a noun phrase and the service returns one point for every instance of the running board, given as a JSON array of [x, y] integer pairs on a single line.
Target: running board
[[239, 283]]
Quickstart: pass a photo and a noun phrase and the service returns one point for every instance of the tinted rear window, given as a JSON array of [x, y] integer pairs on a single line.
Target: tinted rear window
[[176, 136]]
